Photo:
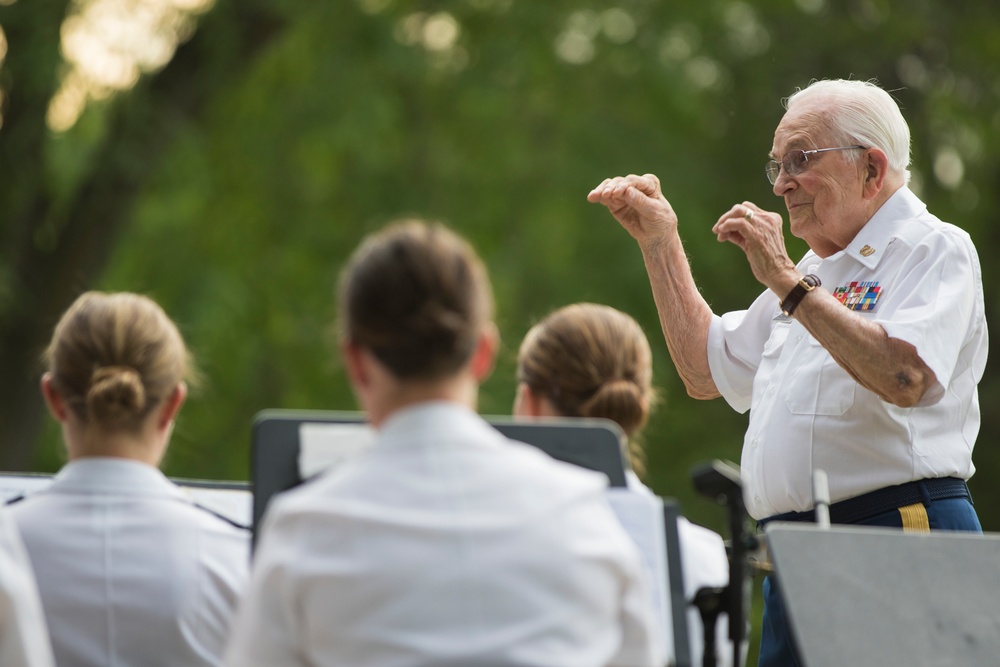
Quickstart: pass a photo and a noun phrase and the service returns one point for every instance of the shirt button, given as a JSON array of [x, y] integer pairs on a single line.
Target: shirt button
[[771, 391], [753, 443], [756, 497]]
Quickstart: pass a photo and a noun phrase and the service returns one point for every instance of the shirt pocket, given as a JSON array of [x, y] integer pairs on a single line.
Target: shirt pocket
[[817, 384], [770, 359], [776, 341]]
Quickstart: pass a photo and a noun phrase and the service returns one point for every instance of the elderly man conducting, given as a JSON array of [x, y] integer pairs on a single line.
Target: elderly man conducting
[[863, 358]]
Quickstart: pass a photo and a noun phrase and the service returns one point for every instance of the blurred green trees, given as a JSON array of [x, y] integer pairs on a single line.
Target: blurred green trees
[[232, 181]]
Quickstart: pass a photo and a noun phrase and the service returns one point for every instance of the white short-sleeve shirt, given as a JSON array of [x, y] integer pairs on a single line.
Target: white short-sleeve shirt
[[444, 543], [920, 280], [704, 564]]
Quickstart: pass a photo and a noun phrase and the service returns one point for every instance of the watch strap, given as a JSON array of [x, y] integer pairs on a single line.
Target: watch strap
[[805, 285]]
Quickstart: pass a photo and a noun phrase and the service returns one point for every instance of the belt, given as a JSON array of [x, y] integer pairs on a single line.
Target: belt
[[867, 505]]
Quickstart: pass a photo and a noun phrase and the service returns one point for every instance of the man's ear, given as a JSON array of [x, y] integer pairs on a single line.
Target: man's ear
[[485, 355], [53, 399], [876, 167], [172, 405]]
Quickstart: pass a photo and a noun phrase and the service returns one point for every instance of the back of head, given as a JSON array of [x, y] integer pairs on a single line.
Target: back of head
[[417, 296], [594, 361], [862, 113], [114, 358]]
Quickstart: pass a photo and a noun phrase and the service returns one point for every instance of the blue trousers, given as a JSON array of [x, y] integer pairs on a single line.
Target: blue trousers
[[777, 647]]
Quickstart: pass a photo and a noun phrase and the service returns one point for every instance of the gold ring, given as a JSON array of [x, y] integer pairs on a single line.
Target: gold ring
[[749, 215]]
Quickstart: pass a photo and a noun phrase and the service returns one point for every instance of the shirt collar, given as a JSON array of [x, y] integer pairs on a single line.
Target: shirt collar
[[401, 425], [870, 244], [110, 475]]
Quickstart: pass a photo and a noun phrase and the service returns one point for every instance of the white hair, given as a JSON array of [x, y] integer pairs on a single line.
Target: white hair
[[863, 113]]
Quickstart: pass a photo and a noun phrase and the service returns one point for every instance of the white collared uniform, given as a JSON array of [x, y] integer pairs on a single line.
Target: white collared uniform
[[920, 280], [704, 564], [130, 572], [24, 639], [442, 544]]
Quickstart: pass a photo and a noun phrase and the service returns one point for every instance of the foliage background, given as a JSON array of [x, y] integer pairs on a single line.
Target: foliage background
[[231, 179]]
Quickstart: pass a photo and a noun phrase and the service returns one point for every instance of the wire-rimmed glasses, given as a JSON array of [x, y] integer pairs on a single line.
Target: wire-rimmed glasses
[[797, 161]]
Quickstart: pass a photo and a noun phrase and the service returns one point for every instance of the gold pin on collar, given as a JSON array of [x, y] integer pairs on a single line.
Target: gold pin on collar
[[867, 251]]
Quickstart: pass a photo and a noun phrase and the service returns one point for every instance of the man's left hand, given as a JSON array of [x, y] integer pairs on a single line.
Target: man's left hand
[[759, 234]]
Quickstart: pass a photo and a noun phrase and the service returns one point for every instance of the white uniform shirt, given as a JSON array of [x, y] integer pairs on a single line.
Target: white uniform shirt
[[444, 543], [24, 639], [704, 564], [920, 280], [130, 572]]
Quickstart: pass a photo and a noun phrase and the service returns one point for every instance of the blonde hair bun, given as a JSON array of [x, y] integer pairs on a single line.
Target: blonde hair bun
[[116, 393]]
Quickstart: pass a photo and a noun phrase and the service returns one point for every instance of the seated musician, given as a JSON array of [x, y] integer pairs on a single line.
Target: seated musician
[[131, 573], [443, 543]]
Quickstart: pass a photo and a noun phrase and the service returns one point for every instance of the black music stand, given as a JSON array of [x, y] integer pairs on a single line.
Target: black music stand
[[874, 597], [675, 573], [595, 444], [721, 480]]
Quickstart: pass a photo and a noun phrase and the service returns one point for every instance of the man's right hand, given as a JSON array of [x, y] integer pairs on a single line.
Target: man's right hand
[[639, 206]]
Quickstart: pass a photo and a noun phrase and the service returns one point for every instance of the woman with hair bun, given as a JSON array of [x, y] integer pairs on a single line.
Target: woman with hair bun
[[591, 360], [588, 360], [130, 571], [442, 542]]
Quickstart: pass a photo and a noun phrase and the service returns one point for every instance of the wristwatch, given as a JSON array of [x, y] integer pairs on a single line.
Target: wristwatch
[[806, 284]]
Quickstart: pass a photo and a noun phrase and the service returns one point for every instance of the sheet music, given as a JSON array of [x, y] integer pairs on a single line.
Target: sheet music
[[641, 514], [323, 446], [234, 504]]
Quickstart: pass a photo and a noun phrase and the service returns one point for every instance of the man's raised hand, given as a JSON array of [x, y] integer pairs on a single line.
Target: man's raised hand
[[638, 204]]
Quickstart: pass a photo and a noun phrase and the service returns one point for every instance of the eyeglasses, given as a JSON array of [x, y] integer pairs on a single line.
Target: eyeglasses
[[797, 161]]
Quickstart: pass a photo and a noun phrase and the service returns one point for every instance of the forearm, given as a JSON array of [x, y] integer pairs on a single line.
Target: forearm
[[889, 367], [685, 316]]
